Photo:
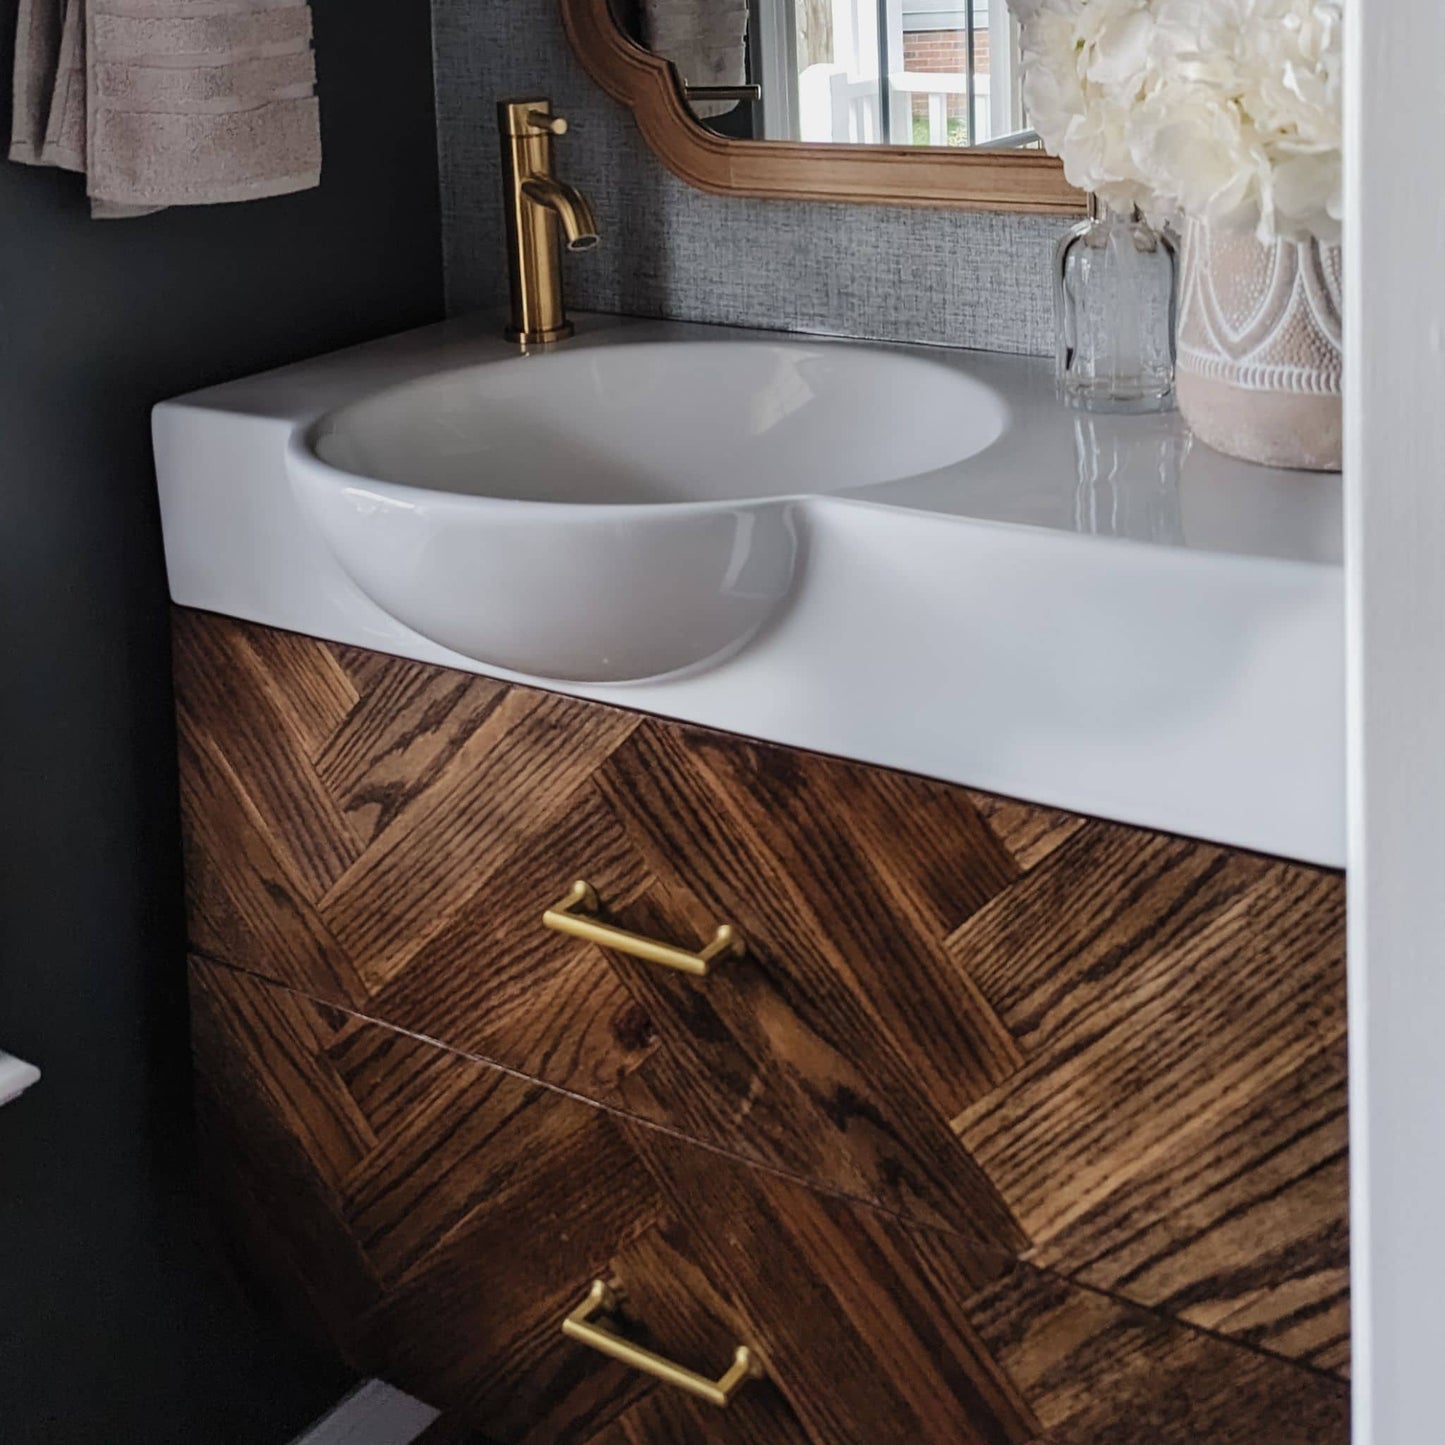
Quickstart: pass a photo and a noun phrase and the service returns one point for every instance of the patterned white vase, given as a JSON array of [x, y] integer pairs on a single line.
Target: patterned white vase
[[1260, 360]]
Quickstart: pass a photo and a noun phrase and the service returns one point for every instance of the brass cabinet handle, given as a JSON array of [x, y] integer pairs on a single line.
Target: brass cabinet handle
[[600, 1300], [571, 915]]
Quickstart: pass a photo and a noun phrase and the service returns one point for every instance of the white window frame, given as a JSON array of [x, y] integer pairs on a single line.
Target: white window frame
[[843, 102], [775, 66]]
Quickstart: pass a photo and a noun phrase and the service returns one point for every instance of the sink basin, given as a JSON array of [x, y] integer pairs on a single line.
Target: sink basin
[[610, 513]]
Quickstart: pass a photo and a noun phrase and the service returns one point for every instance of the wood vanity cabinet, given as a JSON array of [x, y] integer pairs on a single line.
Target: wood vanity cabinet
[[1007, 1125]]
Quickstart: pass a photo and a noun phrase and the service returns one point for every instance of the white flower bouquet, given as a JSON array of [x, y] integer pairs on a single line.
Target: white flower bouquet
[[1228, 111]]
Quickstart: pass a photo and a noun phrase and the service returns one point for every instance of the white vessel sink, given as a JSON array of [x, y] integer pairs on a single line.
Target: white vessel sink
[[619, 512]]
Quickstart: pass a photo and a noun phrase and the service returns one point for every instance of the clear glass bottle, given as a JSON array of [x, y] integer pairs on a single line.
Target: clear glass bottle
[[1115, 298]]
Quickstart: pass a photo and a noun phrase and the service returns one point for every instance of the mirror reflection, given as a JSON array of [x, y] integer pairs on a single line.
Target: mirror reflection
[[885, 72]]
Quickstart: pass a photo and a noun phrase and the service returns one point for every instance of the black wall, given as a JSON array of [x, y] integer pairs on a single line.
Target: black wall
[[118, 1322]]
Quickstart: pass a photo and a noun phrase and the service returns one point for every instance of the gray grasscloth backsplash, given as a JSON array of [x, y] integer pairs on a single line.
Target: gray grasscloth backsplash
[[959, 278]]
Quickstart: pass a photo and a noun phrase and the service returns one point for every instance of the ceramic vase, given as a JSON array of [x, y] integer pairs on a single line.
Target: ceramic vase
[[1259, 349]]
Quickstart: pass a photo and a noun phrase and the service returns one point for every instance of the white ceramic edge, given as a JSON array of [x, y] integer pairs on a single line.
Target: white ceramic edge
[[302, 443], [15, 1077], [1394, 442], [584, 553], [374, 1413], [946, 645], [300, 447]]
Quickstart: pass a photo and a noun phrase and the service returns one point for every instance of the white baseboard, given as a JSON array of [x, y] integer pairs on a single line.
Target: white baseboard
[[372, 1414]]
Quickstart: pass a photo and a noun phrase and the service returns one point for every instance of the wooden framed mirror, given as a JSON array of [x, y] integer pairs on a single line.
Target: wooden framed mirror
[[806, 99]]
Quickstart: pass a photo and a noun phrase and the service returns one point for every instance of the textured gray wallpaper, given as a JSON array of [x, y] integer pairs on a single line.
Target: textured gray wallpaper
[[977, 279]]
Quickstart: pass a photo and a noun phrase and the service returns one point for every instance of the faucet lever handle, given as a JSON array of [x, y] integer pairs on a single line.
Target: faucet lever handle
[[556, 124]]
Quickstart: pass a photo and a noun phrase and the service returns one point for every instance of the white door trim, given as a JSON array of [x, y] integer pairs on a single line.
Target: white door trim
[[1395, 570]]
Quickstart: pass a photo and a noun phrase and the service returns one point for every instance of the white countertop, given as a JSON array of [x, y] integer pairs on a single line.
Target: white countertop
[[1091, 614]]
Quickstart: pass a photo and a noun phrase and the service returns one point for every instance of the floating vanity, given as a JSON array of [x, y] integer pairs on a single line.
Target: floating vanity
[[948, 1043]]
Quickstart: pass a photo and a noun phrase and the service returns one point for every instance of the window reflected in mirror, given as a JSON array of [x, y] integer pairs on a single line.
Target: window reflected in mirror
[[874, 72]]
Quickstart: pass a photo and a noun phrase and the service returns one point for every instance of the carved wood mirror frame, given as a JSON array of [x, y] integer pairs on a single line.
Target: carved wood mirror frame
[[990, 180]]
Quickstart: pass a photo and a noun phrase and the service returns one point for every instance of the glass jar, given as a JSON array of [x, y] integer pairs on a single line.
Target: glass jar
[[1115, 298]]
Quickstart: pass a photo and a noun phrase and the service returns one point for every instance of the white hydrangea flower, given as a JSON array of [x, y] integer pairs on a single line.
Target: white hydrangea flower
[[1228, 110]]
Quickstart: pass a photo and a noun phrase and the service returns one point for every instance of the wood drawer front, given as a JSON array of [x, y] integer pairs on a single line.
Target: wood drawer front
[[387, 836], [1119, 1054], [434, 1218]]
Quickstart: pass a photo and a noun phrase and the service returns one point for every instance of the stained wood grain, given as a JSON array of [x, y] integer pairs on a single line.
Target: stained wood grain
[[445, 1257], [839, 1049], [1099, 1372], [1115, 1053], [1185, 1009]]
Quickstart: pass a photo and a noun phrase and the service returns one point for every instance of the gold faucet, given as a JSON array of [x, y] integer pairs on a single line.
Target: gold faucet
[[536, 203]]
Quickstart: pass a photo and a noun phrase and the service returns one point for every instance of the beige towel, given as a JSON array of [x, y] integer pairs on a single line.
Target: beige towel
[[705, 39], [37, 55], [65, 129], [168, 102]]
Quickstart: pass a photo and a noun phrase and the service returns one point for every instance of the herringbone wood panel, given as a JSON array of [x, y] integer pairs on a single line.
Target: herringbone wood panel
[[1117, 1054], [435, 1218]]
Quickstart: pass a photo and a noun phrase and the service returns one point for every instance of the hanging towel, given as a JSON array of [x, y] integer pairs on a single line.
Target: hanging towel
[[49, 125], [37, 53], [705, 39], [168, 102]]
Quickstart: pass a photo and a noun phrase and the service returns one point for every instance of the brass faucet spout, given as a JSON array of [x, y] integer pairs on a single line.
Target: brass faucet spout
[[539, 208], [571, 207]]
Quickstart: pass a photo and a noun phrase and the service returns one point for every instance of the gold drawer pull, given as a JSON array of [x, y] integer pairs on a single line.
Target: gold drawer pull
[[571, 916], [601, 1301]]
